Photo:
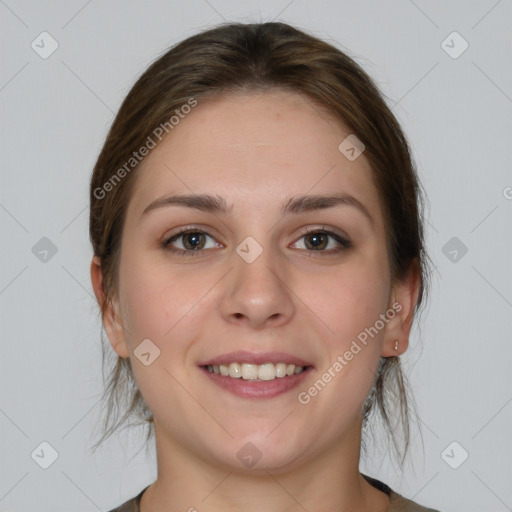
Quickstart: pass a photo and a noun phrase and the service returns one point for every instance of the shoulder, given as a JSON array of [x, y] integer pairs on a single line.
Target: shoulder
[[398, 503], [128, 506], [132, 505]]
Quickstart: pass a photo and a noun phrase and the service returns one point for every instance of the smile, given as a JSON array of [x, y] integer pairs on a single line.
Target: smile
[[256, 372]]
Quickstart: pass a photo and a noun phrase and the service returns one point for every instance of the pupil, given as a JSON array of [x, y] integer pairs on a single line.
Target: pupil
[[318, 240], [196, 241]]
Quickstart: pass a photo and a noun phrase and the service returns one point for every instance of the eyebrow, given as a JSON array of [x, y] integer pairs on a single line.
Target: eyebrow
[[299, 204]]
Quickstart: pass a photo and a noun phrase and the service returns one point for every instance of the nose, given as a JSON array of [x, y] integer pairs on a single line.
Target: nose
[[257, 293]]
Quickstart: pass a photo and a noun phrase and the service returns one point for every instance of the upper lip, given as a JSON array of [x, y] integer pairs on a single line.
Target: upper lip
[[242, 356]]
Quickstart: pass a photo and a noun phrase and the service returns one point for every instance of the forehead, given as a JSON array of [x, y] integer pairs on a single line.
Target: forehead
[[263, 147]]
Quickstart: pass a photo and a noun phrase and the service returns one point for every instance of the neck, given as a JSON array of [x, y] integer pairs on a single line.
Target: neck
[[328, 482]]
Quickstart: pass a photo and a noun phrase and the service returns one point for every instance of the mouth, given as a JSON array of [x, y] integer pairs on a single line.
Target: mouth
[[255, 372], [256, 376]]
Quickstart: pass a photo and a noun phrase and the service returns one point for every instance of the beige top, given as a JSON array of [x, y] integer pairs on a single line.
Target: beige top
[[397, 503]]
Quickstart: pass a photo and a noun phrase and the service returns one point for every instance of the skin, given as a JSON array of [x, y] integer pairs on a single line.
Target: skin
[[256, 151]]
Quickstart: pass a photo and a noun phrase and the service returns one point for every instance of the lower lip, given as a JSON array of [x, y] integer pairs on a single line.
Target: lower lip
[[259, 389]]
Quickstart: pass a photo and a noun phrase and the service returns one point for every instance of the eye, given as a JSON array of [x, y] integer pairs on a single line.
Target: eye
[[191, 240], [318, 240]]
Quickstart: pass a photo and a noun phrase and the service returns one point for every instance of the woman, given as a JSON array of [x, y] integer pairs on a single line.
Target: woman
[[258, 261]]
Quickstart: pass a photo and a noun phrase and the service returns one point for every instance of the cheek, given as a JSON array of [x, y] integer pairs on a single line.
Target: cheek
[[160, 302], [349, 299], [144, 313], [161, 306], [349, 302]]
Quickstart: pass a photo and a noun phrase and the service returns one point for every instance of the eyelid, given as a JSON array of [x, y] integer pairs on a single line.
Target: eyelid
[[207, 230], [325, 228]]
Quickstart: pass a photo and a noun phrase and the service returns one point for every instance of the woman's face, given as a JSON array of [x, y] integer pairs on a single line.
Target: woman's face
[[249, 285]]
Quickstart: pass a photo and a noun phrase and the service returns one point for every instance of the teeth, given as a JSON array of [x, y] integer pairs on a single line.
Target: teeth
[[281, 370], [267, 372], [250, 371], [262, 372], [234, 370]]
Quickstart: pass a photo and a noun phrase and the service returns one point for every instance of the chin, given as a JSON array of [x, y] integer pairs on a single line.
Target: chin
[[259, 452]]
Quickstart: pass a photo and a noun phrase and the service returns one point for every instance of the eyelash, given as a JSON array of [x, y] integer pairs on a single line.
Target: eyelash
[[344, 243]]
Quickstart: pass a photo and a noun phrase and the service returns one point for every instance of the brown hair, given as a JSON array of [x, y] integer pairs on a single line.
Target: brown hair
[[238, 58]]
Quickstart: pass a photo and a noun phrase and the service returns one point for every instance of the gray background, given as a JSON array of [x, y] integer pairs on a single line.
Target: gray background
[[55, 112]]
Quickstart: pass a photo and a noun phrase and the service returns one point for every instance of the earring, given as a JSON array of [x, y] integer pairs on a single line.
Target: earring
[[396, 344]]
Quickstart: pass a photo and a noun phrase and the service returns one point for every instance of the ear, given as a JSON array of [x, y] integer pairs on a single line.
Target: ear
[[403, 299], [111, 318]]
